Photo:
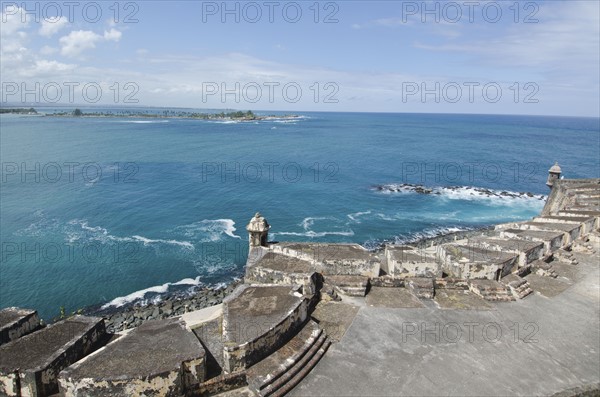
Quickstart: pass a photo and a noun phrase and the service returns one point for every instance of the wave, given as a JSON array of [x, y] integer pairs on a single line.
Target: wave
[[102, 235], [148, 241], [313, 234], [144, 121], [354, 216], [458, 192], [79, 230], [209, 230], [308, 223], [141, 294], [226, 122]]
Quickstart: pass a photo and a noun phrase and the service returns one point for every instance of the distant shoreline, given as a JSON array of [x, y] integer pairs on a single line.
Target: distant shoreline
[[167, 114]]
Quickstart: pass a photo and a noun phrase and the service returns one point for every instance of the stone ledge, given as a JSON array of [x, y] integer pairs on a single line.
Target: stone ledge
[[161, 357], [31, 364], [16, 322]]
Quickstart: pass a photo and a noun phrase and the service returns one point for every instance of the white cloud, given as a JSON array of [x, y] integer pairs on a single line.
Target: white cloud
[[51, 27], [113, 35], [78, 41], [47, 50]]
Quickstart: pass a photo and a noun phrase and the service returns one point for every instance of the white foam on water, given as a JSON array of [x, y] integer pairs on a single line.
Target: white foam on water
[[148, 241], [189, 281], [469, 193], [308, 223], [313, 234], [123, 300], [209, 230], [225, 122], [98, 233], [354, 216], [143, 121], [158, 289]]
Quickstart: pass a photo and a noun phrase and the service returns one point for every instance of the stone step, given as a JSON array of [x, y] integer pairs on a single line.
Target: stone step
[[544, 269], [587, 223], [519, 287], [302, 368], [272, 373], [29, 366], [490, 290], [570, 231], [582, 213], [303, 372]]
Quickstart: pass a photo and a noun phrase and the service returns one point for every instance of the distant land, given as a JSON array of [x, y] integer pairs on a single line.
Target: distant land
[[18, 111], [166, 114]]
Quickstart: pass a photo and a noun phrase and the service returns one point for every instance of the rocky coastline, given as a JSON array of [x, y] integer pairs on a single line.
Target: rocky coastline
[[466, 190], [134, 314]]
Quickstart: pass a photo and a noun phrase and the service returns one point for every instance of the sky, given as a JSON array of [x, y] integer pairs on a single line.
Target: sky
[[491, 57]]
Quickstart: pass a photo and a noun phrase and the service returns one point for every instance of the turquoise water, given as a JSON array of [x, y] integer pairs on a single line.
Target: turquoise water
[[104, 211]]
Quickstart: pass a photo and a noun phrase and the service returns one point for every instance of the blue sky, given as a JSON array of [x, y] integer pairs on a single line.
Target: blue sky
[[499, 57]]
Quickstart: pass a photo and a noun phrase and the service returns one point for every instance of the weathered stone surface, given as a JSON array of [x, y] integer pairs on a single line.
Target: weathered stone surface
[[161, 357], [528, 251], [16, 322], [392, 297], [257, 320], [334, 318], [409, 261], [460, 299], [422, 287], [476, 263], [269, 374], [490, 290], [570, 231], [348, 284], [342, 259], [551, 240], [276, 268], [29, 366], [588, 222]]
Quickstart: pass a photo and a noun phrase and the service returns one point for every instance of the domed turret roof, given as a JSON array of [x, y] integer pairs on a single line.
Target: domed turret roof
[[258, 224], [555, 168]]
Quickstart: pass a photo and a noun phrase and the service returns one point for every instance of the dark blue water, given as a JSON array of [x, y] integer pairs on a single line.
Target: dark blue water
[[95, 209]]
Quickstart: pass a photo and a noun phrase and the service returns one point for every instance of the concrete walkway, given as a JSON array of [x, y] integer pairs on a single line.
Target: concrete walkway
[[532, 347]]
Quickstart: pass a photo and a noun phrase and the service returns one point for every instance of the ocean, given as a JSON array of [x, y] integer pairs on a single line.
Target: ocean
[[108, 211]]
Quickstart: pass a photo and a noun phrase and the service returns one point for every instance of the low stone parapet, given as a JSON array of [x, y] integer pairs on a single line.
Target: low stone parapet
[[16, 322], [334, 259], [257, 320], [463, 261], [588, 222], [276, 268], [159, 358], [29, 366], [408, 261], [528, 251]]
